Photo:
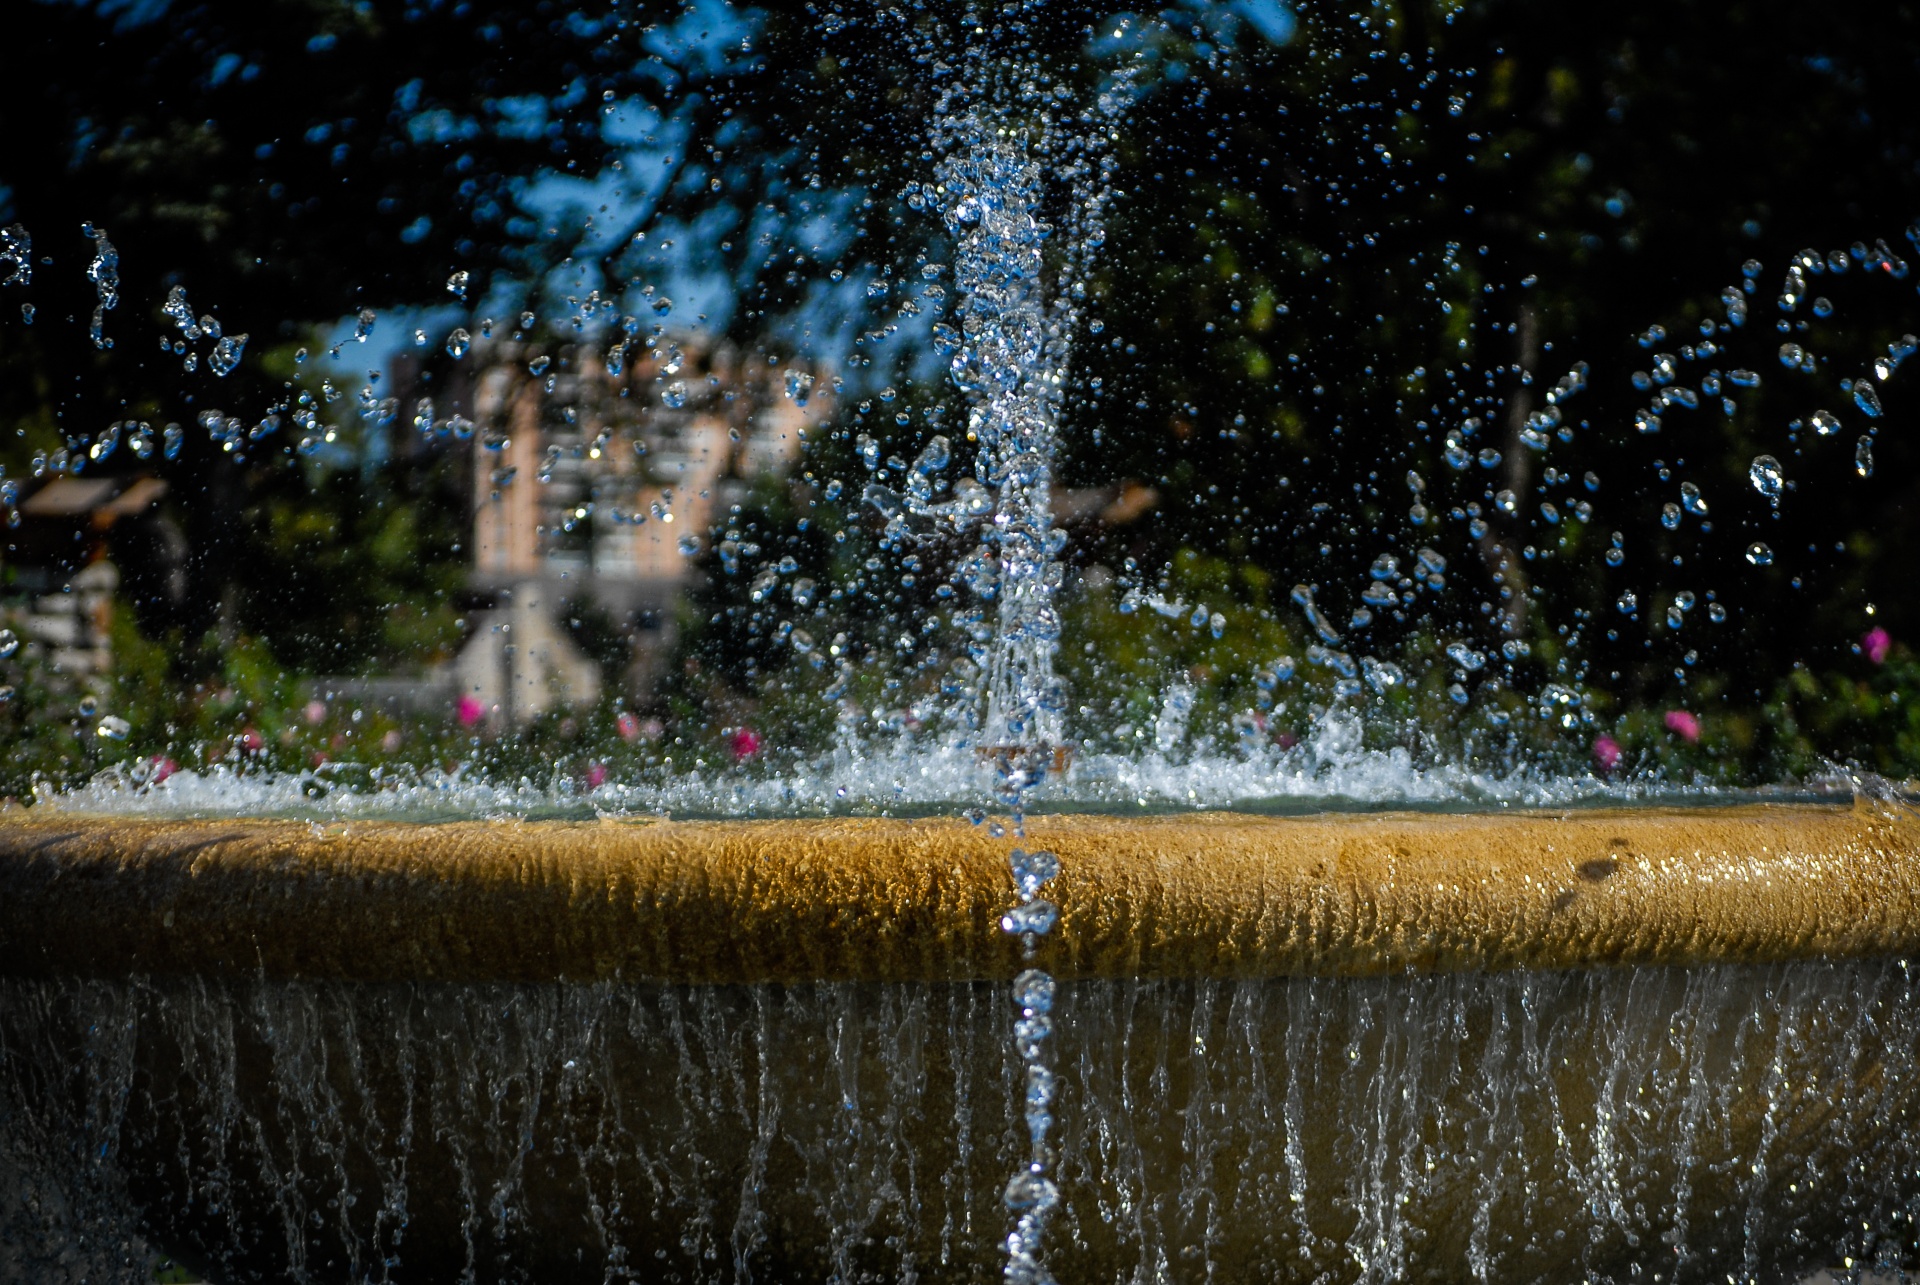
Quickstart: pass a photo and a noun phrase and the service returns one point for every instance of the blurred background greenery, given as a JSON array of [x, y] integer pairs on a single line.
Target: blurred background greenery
[[1340, 236]]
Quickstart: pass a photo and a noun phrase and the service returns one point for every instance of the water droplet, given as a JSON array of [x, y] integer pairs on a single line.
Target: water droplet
[[1628, 603], [674, 395], [1032, 870], [1033, 990], [1824, 422], [16, 249], [1691, 500], [226, 354], [662, 306], [1036, 917], [1759, 554], [1863, 457], [1615, 557], [1866, 398], [457, 285], [113, 728], [458, 342], [933, 458], [1717, 613], [1030, 1190], [1767, 477], [1743, 379], [9, 643]]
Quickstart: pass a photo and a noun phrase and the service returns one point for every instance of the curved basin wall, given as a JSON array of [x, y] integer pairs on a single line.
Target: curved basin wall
[[1687, 1123]]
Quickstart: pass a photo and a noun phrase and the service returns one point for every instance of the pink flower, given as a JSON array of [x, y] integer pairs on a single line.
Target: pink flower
[[163, 767], [316, 710], [469, 710], [252, 742], [745, 743], [596, 775], [1679, 720], [1606, 752], [391, 741], [1876, 642], [627, 725]]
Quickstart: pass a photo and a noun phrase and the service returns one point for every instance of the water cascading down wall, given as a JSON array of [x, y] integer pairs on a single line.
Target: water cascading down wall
[[1625, 1045]]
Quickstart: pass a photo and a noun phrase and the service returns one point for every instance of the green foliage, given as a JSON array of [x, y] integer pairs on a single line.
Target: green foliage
[[1297, 309]]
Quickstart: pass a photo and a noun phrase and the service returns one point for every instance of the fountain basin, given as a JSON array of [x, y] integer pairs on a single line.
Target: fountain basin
[[1624, 1045], [709, 902]]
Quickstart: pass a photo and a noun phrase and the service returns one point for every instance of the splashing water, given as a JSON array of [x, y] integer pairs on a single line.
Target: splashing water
[[104, 272]]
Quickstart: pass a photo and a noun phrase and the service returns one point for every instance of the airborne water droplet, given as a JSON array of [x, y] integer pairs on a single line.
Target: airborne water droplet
[[1759, 554], [457, 344], [1032, 870], [1767, 477], [1824, 422], [1863, 457], [226, 354], [1865, 398]]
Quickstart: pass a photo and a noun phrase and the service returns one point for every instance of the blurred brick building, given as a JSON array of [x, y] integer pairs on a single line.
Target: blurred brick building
[[595, 486]]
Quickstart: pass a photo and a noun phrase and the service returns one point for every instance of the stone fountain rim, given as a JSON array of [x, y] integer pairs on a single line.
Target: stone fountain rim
[[1214, 894]]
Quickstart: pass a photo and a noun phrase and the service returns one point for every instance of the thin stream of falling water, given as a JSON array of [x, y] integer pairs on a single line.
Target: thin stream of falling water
[[997, 130]]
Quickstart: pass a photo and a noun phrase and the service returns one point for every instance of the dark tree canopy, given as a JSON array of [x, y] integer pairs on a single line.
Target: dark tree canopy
[[1347, 246]]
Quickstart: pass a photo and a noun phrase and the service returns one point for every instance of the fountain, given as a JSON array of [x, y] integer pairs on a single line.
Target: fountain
[[696, 1024]]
